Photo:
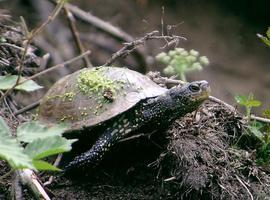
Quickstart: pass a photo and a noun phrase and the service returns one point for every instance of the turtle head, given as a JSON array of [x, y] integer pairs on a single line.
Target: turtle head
[[187, 98]]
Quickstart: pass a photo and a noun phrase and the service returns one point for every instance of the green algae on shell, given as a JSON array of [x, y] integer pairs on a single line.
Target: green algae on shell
[[95, 82], [66, 96]]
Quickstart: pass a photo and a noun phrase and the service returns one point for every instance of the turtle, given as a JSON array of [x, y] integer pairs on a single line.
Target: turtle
[[119, 99]]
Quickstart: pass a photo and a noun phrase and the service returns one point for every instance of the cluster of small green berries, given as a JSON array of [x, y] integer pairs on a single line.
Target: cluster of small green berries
[[179, 61]]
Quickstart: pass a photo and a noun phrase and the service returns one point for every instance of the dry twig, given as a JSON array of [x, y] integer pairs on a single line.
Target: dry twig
[[57, 66], [244, 185], [131, 46], [76, 35], [29, 178]]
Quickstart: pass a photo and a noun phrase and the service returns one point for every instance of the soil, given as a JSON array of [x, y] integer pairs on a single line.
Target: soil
[[207, 155]]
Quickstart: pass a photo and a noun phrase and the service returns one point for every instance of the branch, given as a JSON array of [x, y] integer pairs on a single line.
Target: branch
[[214, 99], [29, 178], [27, 108], [266, 120], [99, 23], [131, 46], [58, 66], [76, 35], [244, 185]]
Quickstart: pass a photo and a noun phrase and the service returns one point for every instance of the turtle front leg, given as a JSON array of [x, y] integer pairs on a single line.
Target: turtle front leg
[[114, 133], [95, 154]]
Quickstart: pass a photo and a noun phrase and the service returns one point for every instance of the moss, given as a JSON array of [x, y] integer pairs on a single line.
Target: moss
[[66, 96], [67, 117], [94, 82]]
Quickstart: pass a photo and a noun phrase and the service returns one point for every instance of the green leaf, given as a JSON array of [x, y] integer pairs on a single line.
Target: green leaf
[[11, 150], [43, 165], [255, 131], [266, 113], [4, 130], [33, 130], [247, 101], [253, 103], [268, 32], [264, 39], [8, 81], [41, 148], [241, 99]]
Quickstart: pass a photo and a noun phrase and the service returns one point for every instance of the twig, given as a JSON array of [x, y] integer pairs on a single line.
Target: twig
[[99, 23], [76, 35], [16, 188], [244, 185], [57, 66], [132, 137], [12, 45], [266, 120], [131, 46], [10, 28], [9, 173], [214, 99], [170, 179], [29, 178], [27, 108], [56, 163]]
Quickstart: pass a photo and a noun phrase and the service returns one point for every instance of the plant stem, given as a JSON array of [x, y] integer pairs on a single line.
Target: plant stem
[[183, 77]]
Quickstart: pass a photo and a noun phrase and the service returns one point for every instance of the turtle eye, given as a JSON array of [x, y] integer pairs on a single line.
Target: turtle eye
[[194, 87]]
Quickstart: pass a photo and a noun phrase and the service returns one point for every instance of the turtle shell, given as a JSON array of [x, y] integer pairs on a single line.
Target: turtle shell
[[91, 96]]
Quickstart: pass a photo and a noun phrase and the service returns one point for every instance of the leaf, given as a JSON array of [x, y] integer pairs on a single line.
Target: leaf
[[41, 148], [247, 101], [241, 99], [264, 39], [268, 32], [30, 131], [255, 131], [43, 165], [8, 81], [266, 113], [11, 150], [253, 103], [4, 130]]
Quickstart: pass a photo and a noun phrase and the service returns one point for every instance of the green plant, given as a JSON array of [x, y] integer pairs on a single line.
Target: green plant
[[248, 102], [266, 39], [260, 130], [9, 81], [179, 61], [266, 113], [32, 142]]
